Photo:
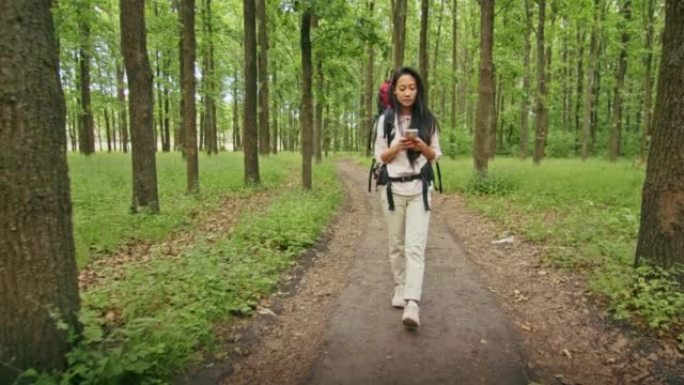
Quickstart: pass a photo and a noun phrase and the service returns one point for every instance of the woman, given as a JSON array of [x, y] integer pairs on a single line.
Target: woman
[[406, 197]]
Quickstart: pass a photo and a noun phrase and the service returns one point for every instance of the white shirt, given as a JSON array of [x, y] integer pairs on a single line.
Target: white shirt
[[400, 165]]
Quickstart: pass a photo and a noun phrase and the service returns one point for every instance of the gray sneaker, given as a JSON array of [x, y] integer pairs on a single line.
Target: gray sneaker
[[398, 297], [410, 317]]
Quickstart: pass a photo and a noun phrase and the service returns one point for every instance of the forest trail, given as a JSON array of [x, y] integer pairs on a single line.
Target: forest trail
[[491, 313], [351, 334], [464, 337]]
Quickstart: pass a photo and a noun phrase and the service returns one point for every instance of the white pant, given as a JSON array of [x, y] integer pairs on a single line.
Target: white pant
[[407, 229]]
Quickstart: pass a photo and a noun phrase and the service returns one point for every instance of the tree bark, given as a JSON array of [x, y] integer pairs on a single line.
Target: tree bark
[[616, 126], [133, 44], [485, 107], [262, 35], [307, 103], [541, 121], [251, 159], [661, 231], [38, 268], [188, 82], [399, 10]]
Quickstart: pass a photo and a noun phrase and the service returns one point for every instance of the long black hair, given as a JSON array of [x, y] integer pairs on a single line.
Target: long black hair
[[421, 116]]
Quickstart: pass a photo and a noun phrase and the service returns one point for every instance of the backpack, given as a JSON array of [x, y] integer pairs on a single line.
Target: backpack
[[383, 104], [384, 97], [378, 171]]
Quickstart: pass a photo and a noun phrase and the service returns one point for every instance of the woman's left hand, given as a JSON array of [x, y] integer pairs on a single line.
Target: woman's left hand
[[416, 144]]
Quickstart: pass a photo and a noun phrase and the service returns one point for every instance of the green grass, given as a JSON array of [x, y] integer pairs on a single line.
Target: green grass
[[101, 194], [585, 215], [167, 307]]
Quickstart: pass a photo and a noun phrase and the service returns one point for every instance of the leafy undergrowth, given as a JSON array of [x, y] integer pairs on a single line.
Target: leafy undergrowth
[[585, 215], [142, 328]]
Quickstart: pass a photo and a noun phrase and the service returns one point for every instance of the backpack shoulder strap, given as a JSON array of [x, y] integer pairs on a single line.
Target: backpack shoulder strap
[[389, 125]]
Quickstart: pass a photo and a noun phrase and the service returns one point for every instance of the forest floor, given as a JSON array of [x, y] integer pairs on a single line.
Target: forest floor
[[491, 313]]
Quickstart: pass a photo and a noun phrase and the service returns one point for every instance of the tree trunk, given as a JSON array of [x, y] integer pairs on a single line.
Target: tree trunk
[[307, 103], [121, 99], [38, 265], [251, 159], [86, 135], [580, 91], [525, 108], [566, 78], [424, 60], [661, 235], [108, 131], [188, 91], [237, 146], [276, 109], [454, 69], [589, 91], [399, 10], [158, 88], [648, 82], [437, 40], [318, 127], [370, 91], [209, 83], [616, 126], [541, 120], [262, 35], [133, 44], [485, 107], [491, 137], [166, 147]]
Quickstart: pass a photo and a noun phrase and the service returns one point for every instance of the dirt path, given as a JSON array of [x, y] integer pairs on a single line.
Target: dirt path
[[491, 314], [339, 328], [464, 338]]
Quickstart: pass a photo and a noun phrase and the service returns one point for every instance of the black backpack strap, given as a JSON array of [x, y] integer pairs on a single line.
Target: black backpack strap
[[389, 125], [439, 177], [370, 174], [390, 197], [425, 194]]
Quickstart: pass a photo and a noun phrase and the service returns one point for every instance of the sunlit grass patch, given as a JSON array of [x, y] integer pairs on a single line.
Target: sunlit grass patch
[[585, 214], [101, 195]]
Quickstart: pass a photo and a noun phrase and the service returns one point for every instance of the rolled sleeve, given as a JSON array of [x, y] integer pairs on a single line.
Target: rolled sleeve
[[434, 145]]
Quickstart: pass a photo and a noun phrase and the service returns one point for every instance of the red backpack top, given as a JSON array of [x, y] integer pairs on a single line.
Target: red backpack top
[[384, 96]]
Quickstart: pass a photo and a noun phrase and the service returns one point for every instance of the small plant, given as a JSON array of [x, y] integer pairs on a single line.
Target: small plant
[[490, 184], [654, 296]]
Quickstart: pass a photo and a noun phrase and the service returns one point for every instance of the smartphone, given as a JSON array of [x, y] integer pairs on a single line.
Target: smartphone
[[412, 133]]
